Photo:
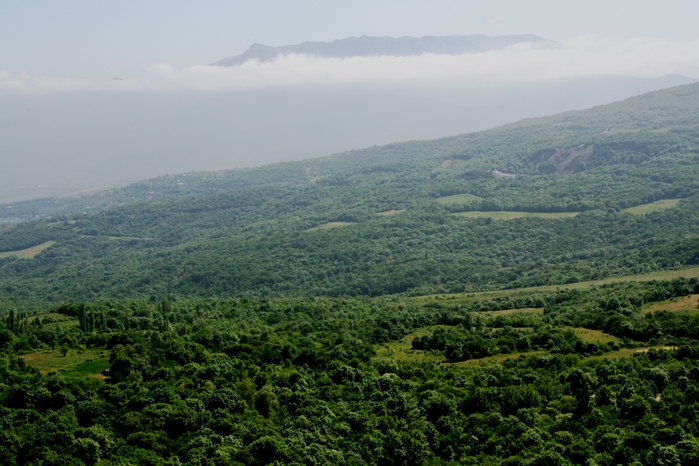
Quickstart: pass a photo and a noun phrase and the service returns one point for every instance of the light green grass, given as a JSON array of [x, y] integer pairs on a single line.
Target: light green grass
[[28, 253], [509, 215], [656, 206], [84, 362], [687, 304], [330, 225], [401, 350], [629, 352], [458, 199], [593, 336]]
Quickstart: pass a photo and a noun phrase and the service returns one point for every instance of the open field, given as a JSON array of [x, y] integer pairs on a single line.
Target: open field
[[28, 253], [510, 215], [329, 225], [688, 304], [458, 199], [656, 206], [388, 213], [77, 363]]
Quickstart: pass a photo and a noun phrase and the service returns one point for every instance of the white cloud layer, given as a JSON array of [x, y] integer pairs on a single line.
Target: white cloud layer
[[580, 57]]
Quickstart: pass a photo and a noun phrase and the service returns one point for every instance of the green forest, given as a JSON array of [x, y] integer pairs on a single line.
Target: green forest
[[602, 375], [527, 295]]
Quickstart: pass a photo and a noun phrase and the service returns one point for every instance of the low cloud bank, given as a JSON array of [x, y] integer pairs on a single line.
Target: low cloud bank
[[580, 57]]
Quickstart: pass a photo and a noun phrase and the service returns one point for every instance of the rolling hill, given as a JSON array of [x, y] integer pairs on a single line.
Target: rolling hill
[[539, 202]]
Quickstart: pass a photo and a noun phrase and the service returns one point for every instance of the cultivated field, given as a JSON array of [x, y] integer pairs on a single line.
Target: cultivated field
[[28, 253], [77, 363]]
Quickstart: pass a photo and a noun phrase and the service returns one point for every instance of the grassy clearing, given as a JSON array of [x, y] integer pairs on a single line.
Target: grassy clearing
[[508, 215], [629, 352], [388, 213], [656, 206], [330, 225], [28, 253], [593, 336], [402, 350], [458, 199], [688, 304], [77, 363]]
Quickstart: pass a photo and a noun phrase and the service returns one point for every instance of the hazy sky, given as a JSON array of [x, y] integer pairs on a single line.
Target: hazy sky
[[105, 91], [101, 40]]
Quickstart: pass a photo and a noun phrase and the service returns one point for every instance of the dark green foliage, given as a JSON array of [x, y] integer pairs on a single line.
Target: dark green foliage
[[298, 381]]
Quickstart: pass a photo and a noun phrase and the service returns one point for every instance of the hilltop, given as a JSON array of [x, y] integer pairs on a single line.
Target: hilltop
[[366, 46]]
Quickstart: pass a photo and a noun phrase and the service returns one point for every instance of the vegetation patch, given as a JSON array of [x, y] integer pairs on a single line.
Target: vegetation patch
[[28, 253], [458, 199], [511, 215], [331, 225], [656, 206]]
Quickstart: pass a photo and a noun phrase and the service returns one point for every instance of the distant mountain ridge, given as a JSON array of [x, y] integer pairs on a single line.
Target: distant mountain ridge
[[366, 46]]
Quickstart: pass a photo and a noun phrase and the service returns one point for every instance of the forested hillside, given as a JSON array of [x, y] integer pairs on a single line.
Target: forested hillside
[[585, 195], [527, 296], [605, 375]]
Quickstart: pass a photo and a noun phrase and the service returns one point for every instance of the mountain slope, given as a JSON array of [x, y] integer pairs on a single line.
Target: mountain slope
[[366, 46], [416, 217]]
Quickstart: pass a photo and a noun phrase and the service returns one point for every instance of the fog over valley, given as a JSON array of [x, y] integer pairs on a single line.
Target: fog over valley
[[62, 137]]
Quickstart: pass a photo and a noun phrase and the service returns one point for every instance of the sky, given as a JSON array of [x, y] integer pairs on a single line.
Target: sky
[[123, 39], [97, 92]]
